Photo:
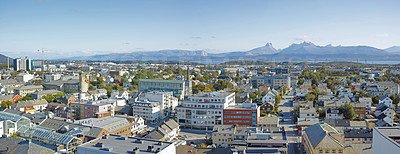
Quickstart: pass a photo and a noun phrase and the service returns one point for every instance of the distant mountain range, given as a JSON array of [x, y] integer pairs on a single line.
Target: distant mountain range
[[4, 59], [304, 51]]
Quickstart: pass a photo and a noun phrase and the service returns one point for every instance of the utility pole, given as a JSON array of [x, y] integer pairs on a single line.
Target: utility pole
[[8, 63]]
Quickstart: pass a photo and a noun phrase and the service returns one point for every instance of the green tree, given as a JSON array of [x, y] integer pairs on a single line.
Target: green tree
[[348, 111], [6, 103]]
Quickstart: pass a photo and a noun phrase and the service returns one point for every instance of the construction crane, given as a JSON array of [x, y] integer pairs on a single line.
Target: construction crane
[[42, 59]]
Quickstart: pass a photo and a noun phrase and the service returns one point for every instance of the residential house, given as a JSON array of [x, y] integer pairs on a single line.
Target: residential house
[[386, 100], [308, 113], [30, 105], [359, 108], [367, 101], [165, 132], [119, 94], [357, 136], [270, 96], [269, 123]]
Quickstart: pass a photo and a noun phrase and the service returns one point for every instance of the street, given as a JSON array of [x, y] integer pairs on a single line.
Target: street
[[286, 106]]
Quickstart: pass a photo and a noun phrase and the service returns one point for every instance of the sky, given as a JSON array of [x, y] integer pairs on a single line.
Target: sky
[[81, 28]]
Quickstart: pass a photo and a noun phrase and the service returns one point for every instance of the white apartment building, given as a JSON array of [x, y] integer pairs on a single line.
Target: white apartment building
[[150, 111], [204, 110], [166, 100]]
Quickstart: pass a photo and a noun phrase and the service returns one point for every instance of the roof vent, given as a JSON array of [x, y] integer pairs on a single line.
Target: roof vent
[[105, 137], [98, 144], [107, 148]]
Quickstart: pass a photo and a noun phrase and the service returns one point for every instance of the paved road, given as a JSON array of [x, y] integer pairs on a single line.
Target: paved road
[[286, 106]]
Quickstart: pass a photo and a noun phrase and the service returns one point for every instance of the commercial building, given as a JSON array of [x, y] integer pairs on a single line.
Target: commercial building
[[386, 140], [93, 109], [204, 110], [39, 94], [274, 82], [22, 64], [113, 125], [167, 101], [179, 88], [122, 144], [242, 114], [150, 111]]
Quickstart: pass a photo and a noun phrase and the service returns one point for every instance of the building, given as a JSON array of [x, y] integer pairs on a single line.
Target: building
[[308, 113], [167, 102], [92, 109], [268, 123], [386, 100], [150, 111], [30, 105], [270, 96], [274, 82], [39, 94], [10, 123], [386, 140], [253, 138], [61, 141], [241, 114], [113, 125], [22, 64], [24, 90], [279, 70], [204, 110], [322, 138], [357, 136], [123, 144], [119, 94], [360, 108], [165, 132], [24, 77], [177, 87]]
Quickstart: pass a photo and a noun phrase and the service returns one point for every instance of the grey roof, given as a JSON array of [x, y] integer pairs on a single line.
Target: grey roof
[[6, 97], [32, 147], [268, 120], [338, 122], [45, 92], [10, 116], [9, 142], [357, 133], [212, 94], [382, 98], [22, 104], [123, 144], [315, 134]]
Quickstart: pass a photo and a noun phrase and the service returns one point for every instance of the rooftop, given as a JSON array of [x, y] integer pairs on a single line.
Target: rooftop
[[212, 94], [123, 144], [163, 81]]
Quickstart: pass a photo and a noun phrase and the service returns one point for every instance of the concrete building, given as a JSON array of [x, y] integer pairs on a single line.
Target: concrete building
[[39, 94], [274, 82], [24, 90], [386, 140], [24, 77], [167, 102], [123, 144], [204, 110], [113, 125], [92, 109], [178, 87], [150, 111], [22, 64], [241, 114]]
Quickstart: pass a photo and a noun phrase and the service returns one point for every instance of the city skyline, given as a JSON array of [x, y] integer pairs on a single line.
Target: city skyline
[[74, 28]]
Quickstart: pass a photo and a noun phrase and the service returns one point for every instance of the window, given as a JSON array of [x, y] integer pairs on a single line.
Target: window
[[326, 151], [333, 151], [340, 151], [321, 151]]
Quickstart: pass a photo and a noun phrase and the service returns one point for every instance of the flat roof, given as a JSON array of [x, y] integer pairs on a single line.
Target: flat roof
[[212, 94], [163, 81], [124, 144]]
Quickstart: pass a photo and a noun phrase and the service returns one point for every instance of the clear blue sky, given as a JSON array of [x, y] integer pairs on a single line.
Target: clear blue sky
[[71, 28]]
